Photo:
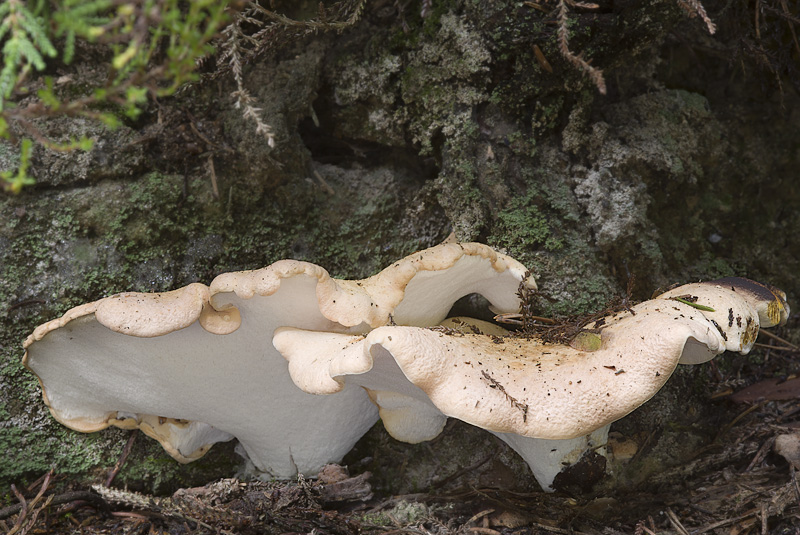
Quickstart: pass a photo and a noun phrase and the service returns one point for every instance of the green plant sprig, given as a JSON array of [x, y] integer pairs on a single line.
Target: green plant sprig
[[153, 48]]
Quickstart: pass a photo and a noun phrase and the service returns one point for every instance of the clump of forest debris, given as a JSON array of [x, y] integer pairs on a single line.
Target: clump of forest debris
[[560, 330]]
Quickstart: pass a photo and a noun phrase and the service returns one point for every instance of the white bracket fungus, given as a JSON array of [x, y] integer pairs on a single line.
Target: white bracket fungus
[[196, 366], [550, 402], [204, 364]]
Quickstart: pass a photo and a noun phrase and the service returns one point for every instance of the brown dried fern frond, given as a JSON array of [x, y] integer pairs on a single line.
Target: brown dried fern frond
[[256, 31], [694, 8], [595, 74]]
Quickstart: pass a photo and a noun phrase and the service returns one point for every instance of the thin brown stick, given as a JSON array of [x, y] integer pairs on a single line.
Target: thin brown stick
[[777, 348], [727, 427], [30, 507], [553, 529], [794, 482], [130, 514], [459, 473], [791, 27], [676, 522], [23, 510], [213, 173], [761, 453], [779, 339], [35, 515], [758, 24], [721, 523], [38, 482], [122, 458], [59, 499], [480, 515]]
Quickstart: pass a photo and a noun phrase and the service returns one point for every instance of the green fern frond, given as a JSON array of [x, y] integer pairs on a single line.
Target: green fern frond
[[155, 46], [36, 32]]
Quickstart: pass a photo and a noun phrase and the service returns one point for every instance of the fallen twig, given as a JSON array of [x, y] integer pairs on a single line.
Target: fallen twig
[[59, 499], [20, 525], [675, 521], [779, 339], [123, 456]]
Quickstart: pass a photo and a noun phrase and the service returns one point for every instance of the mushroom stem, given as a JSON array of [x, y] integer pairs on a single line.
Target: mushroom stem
[[547, 458]]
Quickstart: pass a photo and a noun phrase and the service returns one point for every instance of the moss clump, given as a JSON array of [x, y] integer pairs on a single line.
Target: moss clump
[[522, 225]]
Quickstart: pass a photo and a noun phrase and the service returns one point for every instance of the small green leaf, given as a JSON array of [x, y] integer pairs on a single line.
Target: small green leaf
[[85, 143], [47, 94], [15, 182], [586, 341], [694, 305], [122, 59]]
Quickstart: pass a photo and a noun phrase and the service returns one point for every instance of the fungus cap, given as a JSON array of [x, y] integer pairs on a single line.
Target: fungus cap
[[737, 307], [524, 390], [196, 365]]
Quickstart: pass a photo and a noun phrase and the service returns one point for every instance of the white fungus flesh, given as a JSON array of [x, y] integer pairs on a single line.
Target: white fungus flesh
[[532, 394], [197, 366]]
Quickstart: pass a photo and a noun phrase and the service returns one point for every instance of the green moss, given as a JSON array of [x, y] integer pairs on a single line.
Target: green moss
[[523, 226]]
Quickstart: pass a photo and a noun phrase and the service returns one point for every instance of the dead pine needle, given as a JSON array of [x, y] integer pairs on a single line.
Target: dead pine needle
[[741, 415], [770, 346], [676, 522], [779, 339], [641, 529], [480, 515]]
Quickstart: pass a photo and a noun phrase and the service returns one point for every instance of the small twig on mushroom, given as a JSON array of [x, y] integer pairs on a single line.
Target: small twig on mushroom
[[686, 300], [516, 319], [565, 329], [493, 383]]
